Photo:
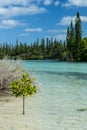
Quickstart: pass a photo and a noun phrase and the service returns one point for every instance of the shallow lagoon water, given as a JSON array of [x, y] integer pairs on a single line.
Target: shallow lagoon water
[[61, 102]]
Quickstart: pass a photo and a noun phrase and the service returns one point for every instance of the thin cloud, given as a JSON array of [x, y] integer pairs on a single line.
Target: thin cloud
[[10, 23], [14, 2], [33, 29], [24, 34], [47, 2], [58, 37], [24, 2], [57, 31], [18, 2], [27, 2], [67, 20], [78, 3], [56, 3], [84, 18], [16, 11]]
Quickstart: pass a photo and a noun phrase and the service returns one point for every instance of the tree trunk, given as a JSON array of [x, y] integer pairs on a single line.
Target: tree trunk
[[23, 104]]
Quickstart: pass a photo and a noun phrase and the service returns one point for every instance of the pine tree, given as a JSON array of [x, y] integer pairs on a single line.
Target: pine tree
[[72, 38], [78, 35], [68, 38]]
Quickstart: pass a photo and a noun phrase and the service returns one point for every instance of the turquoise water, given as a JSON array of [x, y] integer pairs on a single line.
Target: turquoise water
[[61, 101]]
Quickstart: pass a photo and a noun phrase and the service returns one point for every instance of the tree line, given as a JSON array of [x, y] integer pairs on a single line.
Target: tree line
[[74, 48], [45, 49]]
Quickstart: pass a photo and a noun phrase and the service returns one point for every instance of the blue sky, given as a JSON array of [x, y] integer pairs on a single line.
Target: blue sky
[[28, 20]]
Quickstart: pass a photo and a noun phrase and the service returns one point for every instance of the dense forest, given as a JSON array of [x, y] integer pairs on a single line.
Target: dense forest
[[74, 48]]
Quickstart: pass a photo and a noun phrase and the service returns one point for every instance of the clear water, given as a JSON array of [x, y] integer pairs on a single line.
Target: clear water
[[61, 101]]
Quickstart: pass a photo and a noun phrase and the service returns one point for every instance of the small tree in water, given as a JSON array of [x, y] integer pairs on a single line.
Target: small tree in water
[[23, 87]]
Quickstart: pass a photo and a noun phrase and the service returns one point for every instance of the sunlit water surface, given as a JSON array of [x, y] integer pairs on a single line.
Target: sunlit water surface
[[61, 101]]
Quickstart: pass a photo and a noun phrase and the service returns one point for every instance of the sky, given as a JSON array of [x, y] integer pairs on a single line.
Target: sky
[[27, 20]]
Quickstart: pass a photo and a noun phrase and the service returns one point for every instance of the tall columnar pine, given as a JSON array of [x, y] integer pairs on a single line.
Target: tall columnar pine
[[78, 35], [23, 87], [74, 38], [70, 39]]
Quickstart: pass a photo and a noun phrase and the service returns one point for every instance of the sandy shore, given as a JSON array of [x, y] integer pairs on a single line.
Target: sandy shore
[[11, 117], [40, 114]]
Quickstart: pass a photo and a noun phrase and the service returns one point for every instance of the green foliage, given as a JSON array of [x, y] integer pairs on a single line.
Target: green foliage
[[76, 46], [78, 29], [78, 36], [23, 86], [70, 39], [44, 49], [83, 50]]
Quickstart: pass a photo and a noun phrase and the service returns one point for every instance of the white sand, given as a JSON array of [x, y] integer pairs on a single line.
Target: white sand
[[37, 115], [11, 117]]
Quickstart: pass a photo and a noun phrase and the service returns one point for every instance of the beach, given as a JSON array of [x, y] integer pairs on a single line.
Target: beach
[[37, 117], [59, 104], [11, 117]]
